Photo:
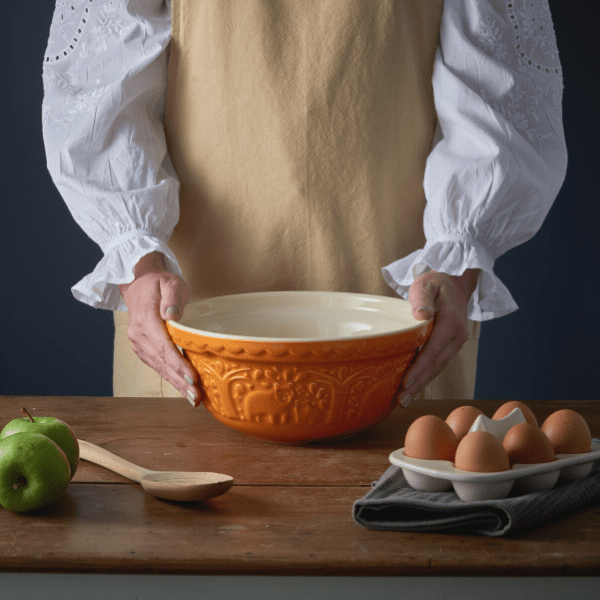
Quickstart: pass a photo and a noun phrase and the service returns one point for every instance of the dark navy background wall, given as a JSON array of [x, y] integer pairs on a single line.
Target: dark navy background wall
[[50, 344]]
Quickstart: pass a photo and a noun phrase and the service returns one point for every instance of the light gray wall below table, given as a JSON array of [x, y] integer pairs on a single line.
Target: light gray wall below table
[[42, 586]]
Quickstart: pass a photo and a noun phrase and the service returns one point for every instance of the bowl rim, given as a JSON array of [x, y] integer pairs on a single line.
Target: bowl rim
[[288, 340]]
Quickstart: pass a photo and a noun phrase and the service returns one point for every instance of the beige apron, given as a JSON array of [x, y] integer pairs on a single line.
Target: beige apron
[[299, 131]]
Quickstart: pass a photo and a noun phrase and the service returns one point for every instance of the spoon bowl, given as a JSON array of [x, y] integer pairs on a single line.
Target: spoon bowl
[[183, 486]]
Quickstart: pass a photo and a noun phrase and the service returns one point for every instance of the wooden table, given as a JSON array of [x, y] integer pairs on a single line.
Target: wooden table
[[289, 512]]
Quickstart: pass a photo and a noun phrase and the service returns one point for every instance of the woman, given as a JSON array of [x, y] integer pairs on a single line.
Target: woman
[[224, 146]]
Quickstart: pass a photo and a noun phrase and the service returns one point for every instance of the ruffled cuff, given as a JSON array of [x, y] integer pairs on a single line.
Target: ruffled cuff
[[100, 288], [490, 300]]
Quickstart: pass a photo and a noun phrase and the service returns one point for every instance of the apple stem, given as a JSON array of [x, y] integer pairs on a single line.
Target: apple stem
[[24, 411], [19, 483]]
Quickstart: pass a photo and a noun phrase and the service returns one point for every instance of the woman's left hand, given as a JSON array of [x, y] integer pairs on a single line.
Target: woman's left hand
[[445, 297]]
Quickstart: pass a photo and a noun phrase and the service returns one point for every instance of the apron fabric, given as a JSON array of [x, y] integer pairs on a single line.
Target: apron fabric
[[299, 132]]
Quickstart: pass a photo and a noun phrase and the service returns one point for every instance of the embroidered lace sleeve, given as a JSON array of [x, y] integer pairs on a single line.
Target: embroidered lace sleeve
[[104, 74], [499, 157]]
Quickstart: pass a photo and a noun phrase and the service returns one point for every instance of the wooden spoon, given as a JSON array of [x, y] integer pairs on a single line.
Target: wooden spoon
[[170, 485]]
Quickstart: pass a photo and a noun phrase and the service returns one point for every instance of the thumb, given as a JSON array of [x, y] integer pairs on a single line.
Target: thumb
[[174, 296], [422, 296]]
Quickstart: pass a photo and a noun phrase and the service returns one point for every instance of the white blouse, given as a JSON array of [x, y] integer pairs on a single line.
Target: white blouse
[[497, 162]]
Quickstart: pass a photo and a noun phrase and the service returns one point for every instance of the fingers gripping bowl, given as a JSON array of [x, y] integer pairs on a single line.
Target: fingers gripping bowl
[[297, 367]]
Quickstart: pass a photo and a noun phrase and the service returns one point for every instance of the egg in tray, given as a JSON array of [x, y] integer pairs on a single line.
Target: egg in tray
[[485, 459]]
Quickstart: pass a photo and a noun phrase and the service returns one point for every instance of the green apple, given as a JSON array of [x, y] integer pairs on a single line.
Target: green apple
[[34, 472], [56, 429]]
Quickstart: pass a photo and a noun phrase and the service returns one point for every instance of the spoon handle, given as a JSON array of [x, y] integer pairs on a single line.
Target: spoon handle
[[111, 461]]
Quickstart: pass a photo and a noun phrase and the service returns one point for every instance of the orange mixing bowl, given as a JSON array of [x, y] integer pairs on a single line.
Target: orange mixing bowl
[[300, 367]]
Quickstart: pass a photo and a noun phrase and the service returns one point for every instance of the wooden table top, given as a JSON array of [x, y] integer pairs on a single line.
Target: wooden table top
[[288, 513]]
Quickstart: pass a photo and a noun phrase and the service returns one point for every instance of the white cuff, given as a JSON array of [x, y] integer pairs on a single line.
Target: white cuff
[[491, 298], [100, 288]]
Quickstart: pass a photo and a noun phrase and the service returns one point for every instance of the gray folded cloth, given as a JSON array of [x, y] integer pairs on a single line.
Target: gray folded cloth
[[392, 505]]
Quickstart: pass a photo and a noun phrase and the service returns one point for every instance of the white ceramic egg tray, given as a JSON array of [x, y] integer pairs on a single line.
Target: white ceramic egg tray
[[442, 475]]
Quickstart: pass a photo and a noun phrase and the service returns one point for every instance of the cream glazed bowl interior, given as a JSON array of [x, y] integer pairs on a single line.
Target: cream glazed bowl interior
[[300, 367]]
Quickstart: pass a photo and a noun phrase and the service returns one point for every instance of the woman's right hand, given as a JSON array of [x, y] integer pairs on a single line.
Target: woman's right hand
[[154, 296]]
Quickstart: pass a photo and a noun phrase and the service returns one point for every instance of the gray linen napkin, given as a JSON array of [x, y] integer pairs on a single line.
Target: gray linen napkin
[[392, 505]]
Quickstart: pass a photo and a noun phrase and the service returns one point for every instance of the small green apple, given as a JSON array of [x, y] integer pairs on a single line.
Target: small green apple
[[56, 429], [34, 472]]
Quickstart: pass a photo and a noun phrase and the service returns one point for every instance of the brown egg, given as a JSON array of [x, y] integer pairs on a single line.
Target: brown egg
[[430, 438], [481, 452], [568, 432], [508, 407], [461, 419], [527, 445]]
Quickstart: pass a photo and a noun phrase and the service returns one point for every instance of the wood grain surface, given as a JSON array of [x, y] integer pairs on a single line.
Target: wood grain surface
[[288, 513]]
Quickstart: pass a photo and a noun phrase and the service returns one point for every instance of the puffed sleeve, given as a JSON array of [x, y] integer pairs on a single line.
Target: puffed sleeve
[[499, 157], [105, 74]]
